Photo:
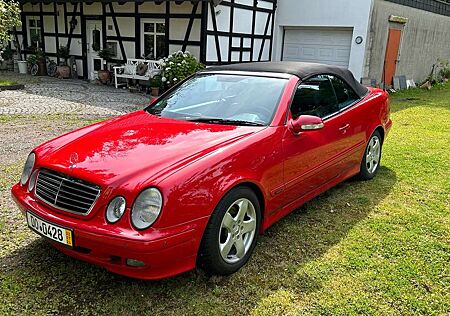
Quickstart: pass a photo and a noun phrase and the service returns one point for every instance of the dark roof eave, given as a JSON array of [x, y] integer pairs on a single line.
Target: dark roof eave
[[216, 2]]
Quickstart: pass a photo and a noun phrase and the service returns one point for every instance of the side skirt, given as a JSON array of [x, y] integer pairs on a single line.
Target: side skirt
[[277, 215]]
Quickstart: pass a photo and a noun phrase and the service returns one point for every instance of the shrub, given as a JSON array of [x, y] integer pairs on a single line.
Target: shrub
[[9, 18], [35, 57], [64, 53], [155, 82], [178, 66], [6, 54], [444, 71], [106, 54]]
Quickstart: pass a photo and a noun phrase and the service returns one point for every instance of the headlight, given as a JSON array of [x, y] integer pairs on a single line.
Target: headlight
[[115, 209], [146, 208], [29, 164]]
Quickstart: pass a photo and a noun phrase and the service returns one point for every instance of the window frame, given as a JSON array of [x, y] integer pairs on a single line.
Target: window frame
[[351, 104], [301, 81], [118, 54], [36, 28], [155, 33]]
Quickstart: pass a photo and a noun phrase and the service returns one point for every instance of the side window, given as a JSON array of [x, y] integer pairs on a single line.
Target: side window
[[344, 93], [315, 97]]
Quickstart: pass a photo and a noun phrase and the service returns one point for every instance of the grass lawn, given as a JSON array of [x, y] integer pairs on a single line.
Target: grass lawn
[[380, 247], [4, 82]]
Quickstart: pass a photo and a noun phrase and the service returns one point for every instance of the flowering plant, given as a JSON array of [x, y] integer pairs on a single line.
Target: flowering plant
[[179, 66]]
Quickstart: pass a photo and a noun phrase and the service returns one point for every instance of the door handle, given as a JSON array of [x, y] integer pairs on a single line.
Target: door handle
[[344, 128]]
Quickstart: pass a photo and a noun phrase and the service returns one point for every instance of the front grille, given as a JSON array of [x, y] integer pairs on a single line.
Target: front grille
[[66, 193]]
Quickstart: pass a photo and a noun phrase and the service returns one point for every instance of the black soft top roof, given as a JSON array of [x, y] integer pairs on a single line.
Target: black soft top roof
[[299, 69]]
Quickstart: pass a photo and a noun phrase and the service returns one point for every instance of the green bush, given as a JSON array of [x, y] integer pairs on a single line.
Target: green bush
[[64, 53], [7, 54], [156, 82], [444, 71], [178, 66], [35, 57]]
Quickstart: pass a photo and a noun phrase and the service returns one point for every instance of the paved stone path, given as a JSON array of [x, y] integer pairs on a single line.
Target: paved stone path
[[46, 95]]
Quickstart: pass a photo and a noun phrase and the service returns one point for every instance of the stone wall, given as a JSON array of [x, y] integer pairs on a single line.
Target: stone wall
[[425, 38]]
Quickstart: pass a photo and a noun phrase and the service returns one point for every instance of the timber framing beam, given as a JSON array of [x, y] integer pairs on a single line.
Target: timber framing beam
[[189, 28], [248, 46], [116, 27], [200, 25]]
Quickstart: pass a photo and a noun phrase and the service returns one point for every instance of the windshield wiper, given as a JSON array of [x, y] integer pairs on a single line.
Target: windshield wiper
[[213, 120]]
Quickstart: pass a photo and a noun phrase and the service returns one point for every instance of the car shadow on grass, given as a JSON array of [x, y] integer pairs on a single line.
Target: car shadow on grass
[[38, 278]]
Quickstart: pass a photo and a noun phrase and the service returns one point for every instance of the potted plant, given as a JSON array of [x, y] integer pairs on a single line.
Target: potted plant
[[155, 85], [106, 54], [63, 70], [38, 58]]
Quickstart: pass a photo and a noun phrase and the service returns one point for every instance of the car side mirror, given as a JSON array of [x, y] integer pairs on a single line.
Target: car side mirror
[[305, 123]]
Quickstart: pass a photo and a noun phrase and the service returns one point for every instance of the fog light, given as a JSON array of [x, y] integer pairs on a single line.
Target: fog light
[[135, 263]]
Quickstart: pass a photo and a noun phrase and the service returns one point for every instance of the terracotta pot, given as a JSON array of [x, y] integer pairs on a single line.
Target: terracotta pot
[[104, 76], [42, 67], [155, 91], [63, 72]]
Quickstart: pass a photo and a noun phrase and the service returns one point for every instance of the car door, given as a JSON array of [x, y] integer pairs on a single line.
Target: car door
[[354, 118], [312, 158]]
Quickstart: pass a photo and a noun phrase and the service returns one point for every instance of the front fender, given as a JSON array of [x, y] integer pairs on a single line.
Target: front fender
[[194, 191]]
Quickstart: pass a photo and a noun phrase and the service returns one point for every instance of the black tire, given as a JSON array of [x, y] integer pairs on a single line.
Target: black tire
[[366, 172], [209, 257]]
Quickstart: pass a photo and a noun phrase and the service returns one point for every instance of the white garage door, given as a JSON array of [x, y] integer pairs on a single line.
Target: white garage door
[[318, 45]]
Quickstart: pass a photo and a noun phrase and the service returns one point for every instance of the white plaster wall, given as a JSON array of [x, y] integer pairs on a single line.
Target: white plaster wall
[[126, 25], [326, 13], [242, 23]]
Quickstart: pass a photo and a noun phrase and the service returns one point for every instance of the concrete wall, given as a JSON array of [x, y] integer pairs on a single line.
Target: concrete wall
[[325, 13], [426, 37]]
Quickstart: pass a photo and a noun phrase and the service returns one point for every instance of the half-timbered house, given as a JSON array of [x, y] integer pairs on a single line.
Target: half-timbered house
[[215, 31]]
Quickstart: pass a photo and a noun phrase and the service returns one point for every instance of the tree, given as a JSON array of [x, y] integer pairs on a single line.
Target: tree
[[9, 18]]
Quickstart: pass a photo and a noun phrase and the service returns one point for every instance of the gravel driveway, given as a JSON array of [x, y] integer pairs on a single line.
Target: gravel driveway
[[47, 108], [46, 95]]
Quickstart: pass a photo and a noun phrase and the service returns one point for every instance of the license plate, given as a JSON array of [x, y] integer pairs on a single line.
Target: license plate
[[54, 232]]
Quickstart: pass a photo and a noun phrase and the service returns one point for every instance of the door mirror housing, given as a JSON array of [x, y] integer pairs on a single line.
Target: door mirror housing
[[305, 123]]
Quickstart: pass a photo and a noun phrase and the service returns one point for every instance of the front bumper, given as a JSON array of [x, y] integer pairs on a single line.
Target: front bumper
[[172, 254]]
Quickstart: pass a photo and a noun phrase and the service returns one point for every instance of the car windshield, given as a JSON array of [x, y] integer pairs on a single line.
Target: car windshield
[[223, 99]]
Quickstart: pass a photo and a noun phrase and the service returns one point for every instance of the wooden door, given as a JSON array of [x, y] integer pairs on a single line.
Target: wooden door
[[391, 58]]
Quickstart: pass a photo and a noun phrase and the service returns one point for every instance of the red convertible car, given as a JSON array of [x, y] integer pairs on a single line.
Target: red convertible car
[[192, 180]]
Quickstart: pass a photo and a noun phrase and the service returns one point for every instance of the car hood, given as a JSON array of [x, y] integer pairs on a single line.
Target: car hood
[[137, 146]]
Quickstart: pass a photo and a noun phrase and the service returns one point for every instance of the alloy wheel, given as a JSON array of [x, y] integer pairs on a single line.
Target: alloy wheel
[[373, 154], [237, 230]]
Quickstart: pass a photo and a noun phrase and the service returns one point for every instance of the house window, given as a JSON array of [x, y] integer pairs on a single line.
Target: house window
[[34, 31], [113, 46], [153, 39], [96, 40]]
